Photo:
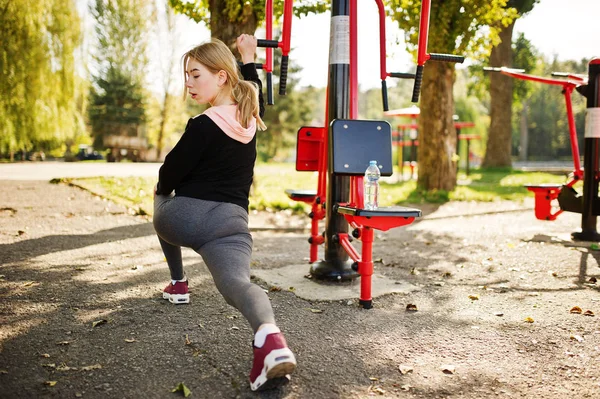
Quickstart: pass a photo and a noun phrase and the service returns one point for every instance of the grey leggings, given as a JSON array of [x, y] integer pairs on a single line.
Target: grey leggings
[[218, 231]]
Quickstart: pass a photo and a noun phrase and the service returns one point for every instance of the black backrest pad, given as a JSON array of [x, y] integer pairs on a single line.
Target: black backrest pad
[[356, 142]]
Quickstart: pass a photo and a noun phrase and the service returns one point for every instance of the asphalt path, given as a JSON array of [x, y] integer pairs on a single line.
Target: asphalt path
[[44, 171]]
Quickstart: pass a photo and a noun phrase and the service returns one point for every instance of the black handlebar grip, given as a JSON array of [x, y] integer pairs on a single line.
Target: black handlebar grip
[[283, 74], [267, 43], [384, 96], [402, 75], [417, 86], [270, 88], [258, 66], [447, 58]]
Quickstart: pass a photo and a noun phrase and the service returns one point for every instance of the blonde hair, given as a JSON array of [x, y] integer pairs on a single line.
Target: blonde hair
[[216, 56]]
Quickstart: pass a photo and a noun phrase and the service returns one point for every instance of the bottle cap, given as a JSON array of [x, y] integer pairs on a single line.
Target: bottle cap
[[372, 162]]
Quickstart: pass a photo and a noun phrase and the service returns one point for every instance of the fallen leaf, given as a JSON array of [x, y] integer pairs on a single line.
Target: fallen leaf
[[588, 313], [578, 338], [593, 280], [595, 246], [275, 289], [49, 365], [528, 320], [499, 314], [91, 367], [575, 309], [63, 343], [373, 379], [64, 367], [411, 307], [474, 297], [129, 340], [20, 232], [183, 389], [44, 355], [448, 369], [406, 387], [50, 383], [187, 340], [98, 322], [404, 369], [378, 390], [3, 371], [291, 289], [316, 310], [554, 274]]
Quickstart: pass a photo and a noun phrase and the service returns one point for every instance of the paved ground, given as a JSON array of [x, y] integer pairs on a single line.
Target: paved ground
[[81, 314]]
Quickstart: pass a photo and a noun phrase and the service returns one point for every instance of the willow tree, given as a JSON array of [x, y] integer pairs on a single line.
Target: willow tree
[[38, 85], [456, 27], [498, 147]]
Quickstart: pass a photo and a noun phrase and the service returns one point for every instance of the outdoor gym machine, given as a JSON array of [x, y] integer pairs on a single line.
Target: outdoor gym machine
[[587, 204], [340, 153]]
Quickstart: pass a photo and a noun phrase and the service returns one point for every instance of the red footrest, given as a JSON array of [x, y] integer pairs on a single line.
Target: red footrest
[[381, 218], [307, 196], [544, 195]]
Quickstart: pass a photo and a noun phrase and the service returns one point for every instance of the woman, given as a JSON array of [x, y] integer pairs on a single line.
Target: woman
[[201, 198]]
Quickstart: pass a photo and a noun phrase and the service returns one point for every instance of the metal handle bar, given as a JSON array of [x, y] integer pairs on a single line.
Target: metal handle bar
[[422, 55], [446, 58], [575, 76], [258, 66], [382, 58], [284, 45], [384, 95]]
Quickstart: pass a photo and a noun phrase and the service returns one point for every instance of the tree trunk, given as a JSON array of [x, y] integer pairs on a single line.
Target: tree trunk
[[501, 97], [437, 135], [524, 133], [222, 28]]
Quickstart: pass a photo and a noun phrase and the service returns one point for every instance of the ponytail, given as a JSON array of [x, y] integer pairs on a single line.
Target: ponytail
[[245, 94]]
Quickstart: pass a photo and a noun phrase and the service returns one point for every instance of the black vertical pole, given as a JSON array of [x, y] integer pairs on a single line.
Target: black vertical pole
[[590, 157], [336, 265], [468, 154], [458, 150]]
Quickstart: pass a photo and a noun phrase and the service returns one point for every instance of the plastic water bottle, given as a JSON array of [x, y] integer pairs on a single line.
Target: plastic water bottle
[[372, 175]]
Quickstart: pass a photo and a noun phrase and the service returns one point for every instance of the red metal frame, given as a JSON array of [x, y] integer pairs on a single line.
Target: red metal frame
[[422, 55], [269, 33], [306, 156], [568, 86]]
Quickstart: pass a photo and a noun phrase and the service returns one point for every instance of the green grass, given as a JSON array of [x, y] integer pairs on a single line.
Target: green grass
[[271, 181]]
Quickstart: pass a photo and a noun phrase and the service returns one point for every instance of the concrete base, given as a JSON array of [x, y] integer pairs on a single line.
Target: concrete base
[[293, 278]]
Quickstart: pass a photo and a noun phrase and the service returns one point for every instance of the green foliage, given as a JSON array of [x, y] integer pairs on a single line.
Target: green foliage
[[524, 57], [117, 98], [38, 105], [455, 25], [116, 105], [235, 10], [548, 124]]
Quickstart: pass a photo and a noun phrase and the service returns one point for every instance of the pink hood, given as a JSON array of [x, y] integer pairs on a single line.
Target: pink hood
[[225, 117]]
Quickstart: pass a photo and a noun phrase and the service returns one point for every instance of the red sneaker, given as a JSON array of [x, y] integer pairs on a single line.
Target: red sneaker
[[177, 293], [273, 360]]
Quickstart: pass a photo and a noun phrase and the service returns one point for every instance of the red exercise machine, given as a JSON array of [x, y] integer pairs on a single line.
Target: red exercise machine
[[340, 152], [568, 199]]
